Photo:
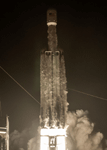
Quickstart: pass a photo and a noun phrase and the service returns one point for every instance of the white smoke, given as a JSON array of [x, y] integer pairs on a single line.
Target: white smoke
[[34, 143], [80, 134], [19, 140]]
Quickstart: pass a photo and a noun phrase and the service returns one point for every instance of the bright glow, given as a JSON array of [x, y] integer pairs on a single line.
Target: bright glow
[[3, 132], [61, 143], [53, 132], [44, 143], [52, 23], [52, 138]]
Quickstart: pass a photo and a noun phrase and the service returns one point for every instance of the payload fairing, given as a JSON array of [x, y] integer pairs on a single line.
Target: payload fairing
[[52, 86]]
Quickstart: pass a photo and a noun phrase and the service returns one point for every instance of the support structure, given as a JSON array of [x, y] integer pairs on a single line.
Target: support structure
[[4, 133]]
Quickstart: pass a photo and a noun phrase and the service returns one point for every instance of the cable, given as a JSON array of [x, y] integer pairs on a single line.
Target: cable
[[37, 100], [19, 85], [88, 94]]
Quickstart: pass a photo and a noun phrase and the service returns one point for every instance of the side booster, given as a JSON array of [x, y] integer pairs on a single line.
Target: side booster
[[53, 90]]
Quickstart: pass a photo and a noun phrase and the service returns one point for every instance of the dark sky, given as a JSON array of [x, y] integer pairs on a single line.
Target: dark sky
[[82, 34]]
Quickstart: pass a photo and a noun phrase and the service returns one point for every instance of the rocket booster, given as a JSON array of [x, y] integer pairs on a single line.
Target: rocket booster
[[53, 79]]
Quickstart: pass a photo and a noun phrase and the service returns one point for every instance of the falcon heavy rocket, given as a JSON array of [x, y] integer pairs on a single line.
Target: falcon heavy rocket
[[53, 90]]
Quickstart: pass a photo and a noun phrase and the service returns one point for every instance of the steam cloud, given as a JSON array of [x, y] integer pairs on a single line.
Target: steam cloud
[[80, 135], [19, 140]]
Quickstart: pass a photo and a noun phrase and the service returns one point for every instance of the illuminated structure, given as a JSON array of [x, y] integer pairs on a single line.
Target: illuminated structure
[[53, 91], [4, 133]]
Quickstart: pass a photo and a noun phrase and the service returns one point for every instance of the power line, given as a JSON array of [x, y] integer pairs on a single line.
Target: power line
[[88, 94], [37, 100], [20, 85]]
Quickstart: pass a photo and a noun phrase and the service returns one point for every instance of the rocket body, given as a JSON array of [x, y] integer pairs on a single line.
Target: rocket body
[[52, 80]]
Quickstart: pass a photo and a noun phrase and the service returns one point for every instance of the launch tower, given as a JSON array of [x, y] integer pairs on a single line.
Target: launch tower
[[4, 133], [53, 90]]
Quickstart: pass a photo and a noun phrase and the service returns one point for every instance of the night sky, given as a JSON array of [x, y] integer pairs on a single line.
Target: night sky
[[82, 34]]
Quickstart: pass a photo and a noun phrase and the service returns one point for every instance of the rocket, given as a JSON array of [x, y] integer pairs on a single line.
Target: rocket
[[53, 88]]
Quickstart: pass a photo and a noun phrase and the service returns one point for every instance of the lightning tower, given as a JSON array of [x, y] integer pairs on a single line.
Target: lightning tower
[[4, 131], [53, 89]]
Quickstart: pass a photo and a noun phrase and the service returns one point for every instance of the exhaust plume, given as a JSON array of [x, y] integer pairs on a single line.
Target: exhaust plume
[[80, 135]]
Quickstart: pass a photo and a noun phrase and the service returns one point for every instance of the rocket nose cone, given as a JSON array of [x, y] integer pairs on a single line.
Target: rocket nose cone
[[51, 15]]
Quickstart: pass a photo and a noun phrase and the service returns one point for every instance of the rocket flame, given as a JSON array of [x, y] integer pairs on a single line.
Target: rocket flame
[[80, 134], [53, 132], [52, 138]]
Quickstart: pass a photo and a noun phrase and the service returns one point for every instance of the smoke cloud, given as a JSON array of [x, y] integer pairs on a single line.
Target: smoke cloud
[[34, 143], [80, 135], [19, 140]]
